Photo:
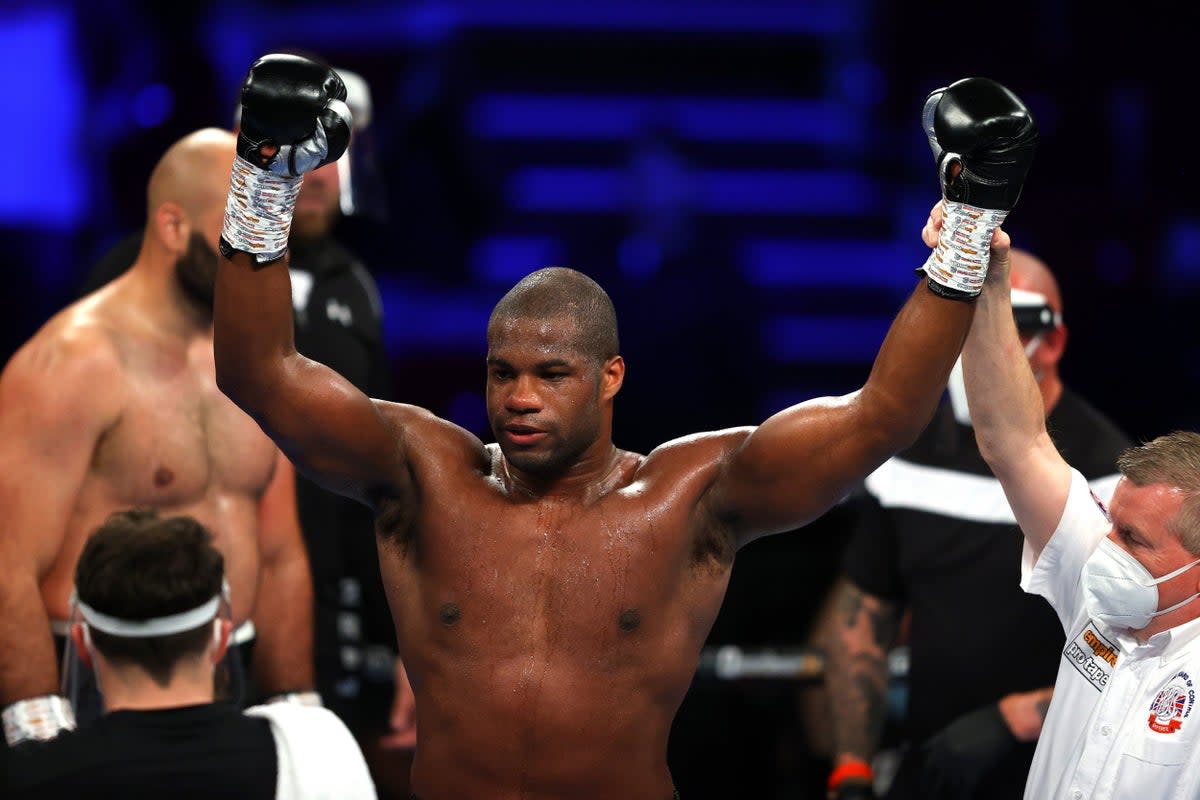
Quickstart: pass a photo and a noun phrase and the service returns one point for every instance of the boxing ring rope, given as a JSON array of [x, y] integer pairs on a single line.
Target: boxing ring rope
[[801, 664]]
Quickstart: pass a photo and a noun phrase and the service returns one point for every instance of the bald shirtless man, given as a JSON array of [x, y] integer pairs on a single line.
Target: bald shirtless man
[[114, 404], [551, 592]]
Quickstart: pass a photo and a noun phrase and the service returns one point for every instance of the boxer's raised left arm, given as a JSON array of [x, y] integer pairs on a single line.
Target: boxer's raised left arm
[[283, 608], [802, 460]]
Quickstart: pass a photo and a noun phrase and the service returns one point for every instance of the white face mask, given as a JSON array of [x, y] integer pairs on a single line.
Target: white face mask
[[957, 386], [1120, 592]]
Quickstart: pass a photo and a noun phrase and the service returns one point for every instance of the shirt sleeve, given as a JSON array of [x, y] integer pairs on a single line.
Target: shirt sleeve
[[1055, 574], [318, 758], [1103, 486]]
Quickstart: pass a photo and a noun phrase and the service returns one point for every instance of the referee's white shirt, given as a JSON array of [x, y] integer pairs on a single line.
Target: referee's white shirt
[[1124, 722]]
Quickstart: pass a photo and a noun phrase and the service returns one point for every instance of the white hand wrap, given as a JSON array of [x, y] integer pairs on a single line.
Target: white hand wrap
[[960, 260], [258, 211], [308, 698], [38, 718]]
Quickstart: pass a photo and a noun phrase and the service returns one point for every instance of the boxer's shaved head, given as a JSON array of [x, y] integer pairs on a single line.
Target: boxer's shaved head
[[194, 172], [559, 292]]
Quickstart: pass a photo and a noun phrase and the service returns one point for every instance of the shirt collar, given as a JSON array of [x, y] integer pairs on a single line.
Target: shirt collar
[[1167, 645]]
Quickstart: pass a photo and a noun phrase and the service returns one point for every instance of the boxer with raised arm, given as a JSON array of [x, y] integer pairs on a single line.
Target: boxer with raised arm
[[551, 592]]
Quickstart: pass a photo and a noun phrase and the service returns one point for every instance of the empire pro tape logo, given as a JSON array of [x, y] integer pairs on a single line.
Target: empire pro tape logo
[[1092, 655]]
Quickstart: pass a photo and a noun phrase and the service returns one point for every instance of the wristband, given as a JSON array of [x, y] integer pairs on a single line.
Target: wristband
[[960, 260], [305, 698], [850, 769], [38, 718], [258, 212]]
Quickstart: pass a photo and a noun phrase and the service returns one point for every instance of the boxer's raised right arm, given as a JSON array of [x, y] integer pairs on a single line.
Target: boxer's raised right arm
[[58, 395], [329, 429], [294, 120]]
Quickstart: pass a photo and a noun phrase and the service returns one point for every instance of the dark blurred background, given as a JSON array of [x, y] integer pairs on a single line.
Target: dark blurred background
[[746, 177]]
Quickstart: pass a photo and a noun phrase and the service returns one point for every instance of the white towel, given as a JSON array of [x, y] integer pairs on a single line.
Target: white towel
[[318, 756]]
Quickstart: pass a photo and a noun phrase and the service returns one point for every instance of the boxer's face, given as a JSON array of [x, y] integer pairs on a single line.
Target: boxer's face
[[543, 394]]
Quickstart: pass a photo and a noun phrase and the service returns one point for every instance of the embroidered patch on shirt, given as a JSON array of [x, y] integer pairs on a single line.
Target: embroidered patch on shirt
[[1173, 704], [1092, 655]]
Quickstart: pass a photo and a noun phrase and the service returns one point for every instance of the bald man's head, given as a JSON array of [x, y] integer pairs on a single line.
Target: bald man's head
[[194, 172], [186, 196], [1031, 274], [1045, 348]]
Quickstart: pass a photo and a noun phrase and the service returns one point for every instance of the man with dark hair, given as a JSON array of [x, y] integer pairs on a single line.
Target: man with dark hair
[[177, 569], [552, 592], [153, 622]]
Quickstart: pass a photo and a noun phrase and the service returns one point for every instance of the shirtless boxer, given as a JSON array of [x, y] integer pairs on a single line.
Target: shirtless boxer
[[113, 404], [551, 593]]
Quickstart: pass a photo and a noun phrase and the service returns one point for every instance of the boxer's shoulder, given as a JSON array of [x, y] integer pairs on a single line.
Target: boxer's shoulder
[[703, 445], [697, 454], [428, 438], [75, 349]]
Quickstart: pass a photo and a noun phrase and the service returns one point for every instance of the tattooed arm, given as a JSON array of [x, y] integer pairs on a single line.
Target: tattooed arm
[[967, 758], [859, 631], [1024, 712]]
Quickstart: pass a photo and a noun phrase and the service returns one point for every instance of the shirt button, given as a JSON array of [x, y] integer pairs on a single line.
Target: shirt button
[[1077, 794], [1105, 730]]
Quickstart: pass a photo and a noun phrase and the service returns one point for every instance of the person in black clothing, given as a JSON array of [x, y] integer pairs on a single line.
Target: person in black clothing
[[933, 535], [154, 623]]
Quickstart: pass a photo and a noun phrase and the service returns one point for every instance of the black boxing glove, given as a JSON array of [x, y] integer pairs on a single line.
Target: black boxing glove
[[293, 119], [983, 140]]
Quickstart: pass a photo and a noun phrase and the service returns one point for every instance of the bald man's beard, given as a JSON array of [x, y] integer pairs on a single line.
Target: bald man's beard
[[196, 272]]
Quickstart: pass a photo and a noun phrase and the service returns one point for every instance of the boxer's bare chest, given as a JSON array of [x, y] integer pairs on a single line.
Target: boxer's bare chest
[[180, 446], [179, 441], [612, 576]]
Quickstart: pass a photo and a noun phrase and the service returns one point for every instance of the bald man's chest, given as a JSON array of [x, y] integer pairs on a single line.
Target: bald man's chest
[[178, 439]]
